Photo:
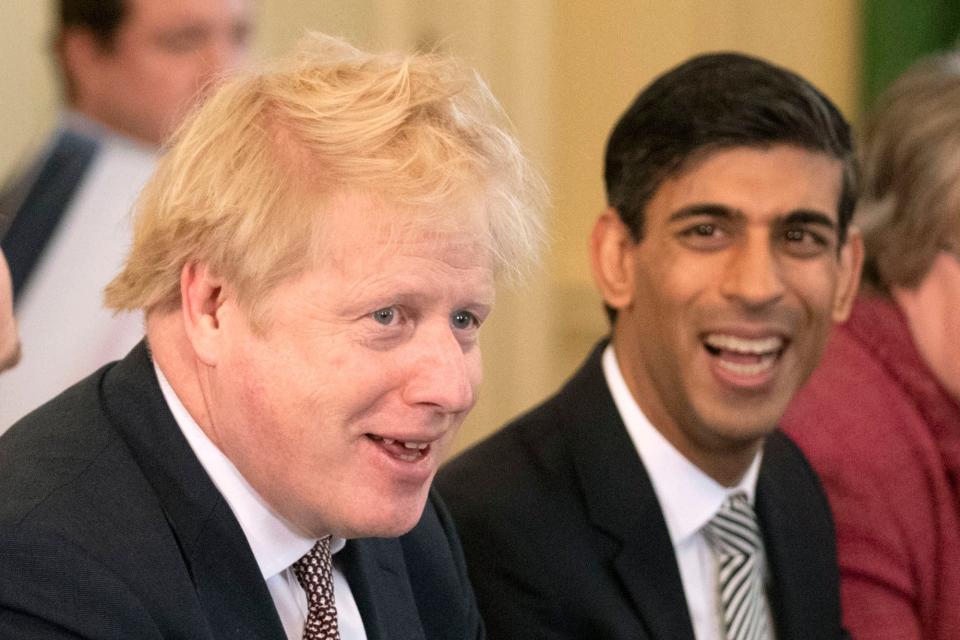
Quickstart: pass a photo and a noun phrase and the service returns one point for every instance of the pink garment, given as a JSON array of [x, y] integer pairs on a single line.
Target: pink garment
[[885, 438]]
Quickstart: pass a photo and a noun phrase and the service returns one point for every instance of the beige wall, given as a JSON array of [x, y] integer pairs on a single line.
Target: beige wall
[[27, 87], [564, 69]]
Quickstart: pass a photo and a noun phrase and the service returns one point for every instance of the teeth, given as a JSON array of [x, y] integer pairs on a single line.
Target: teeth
[[754, 368], [413, 457], [413, 446], [759, 346]]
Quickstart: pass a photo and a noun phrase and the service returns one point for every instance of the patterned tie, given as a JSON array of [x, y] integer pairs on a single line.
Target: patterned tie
[[314, 571], [734, 536]]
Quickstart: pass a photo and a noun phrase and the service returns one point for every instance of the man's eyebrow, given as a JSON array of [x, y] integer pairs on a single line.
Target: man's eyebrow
[[810, 216], [705, 209]]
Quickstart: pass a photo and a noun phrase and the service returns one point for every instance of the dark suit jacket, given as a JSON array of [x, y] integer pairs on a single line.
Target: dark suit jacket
[[565, 538], [110, 528]]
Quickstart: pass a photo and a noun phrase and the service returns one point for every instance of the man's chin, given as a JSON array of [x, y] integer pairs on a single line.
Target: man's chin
[[387, 520], [11, 358]]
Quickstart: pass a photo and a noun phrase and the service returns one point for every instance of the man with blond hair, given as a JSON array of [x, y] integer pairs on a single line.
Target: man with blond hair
[[314, 255]]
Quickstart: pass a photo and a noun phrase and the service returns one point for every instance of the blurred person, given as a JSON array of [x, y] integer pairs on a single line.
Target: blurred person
[[880, 417], [9, 342], [315, 255], [653, 497], [130, 69]]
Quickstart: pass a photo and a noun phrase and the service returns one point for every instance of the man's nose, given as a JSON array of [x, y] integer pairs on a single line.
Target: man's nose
[[753, 275], [441, 373]]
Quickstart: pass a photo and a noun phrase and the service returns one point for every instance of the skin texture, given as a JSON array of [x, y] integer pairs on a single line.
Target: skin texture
[[931, 312], [380, 338], [9, 343], [741, 244], [165, 53]]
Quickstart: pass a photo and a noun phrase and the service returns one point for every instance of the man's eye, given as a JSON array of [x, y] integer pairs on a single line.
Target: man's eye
[[385, 316], [463, 320], [705, 236], [805, 242]]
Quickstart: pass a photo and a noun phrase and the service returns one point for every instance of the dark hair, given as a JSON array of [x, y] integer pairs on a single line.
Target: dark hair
[[714, 102], [101, 17]]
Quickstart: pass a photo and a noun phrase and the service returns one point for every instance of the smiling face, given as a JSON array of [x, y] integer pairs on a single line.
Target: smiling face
[[341, 410], [725, 303]]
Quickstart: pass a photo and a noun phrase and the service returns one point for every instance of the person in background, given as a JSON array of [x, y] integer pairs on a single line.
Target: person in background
[[315, 255], [130, 71], [653, 497], [880, 417], [9, 341]]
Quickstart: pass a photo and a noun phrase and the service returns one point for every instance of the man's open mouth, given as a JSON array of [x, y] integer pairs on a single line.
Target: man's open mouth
[[408, 451], [744, 356]]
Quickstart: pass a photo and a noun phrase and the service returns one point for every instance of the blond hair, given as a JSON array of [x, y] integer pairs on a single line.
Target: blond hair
[[241, 187], [910, 208]]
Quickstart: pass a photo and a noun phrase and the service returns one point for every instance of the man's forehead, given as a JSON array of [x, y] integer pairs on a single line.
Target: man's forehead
[[162, 14], [832, 165], [358, 218], [732, 180]]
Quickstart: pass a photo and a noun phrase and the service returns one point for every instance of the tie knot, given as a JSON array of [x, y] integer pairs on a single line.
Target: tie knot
[[314, 567], [734, 529], [314, 571]]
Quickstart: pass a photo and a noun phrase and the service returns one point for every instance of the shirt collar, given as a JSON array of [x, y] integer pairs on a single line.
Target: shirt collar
[[77, 122], [275, 544], [688, 497]]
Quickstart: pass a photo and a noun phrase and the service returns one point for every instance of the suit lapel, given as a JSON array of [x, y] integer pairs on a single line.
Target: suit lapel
[[798, 538], [228, 581], [377, 574], [622, 504]]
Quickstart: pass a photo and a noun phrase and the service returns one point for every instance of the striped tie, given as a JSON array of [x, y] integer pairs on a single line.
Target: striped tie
[[734, 536]]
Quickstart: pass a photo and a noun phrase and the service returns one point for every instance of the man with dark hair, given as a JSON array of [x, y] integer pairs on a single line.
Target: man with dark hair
[[653, 497], [131, 69]]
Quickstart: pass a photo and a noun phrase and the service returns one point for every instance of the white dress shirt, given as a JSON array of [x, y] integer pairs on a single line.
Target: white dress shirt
[[689, 498], [65, 332], [275, 544]]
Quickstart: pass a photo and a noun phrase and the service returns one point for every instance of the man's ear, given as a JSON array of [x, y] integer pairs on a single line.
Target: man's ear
[[201, 303], [612, 259], [851, 263]]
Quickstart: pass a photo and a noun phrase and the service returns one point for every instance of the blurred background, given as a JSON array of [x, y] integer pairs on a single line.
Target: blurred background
[[564, 71]]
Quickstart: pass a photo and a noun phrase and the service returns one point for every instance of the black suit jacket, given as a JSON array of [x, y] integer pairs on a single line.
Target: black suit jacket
[[565, 538], [110, 528]]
